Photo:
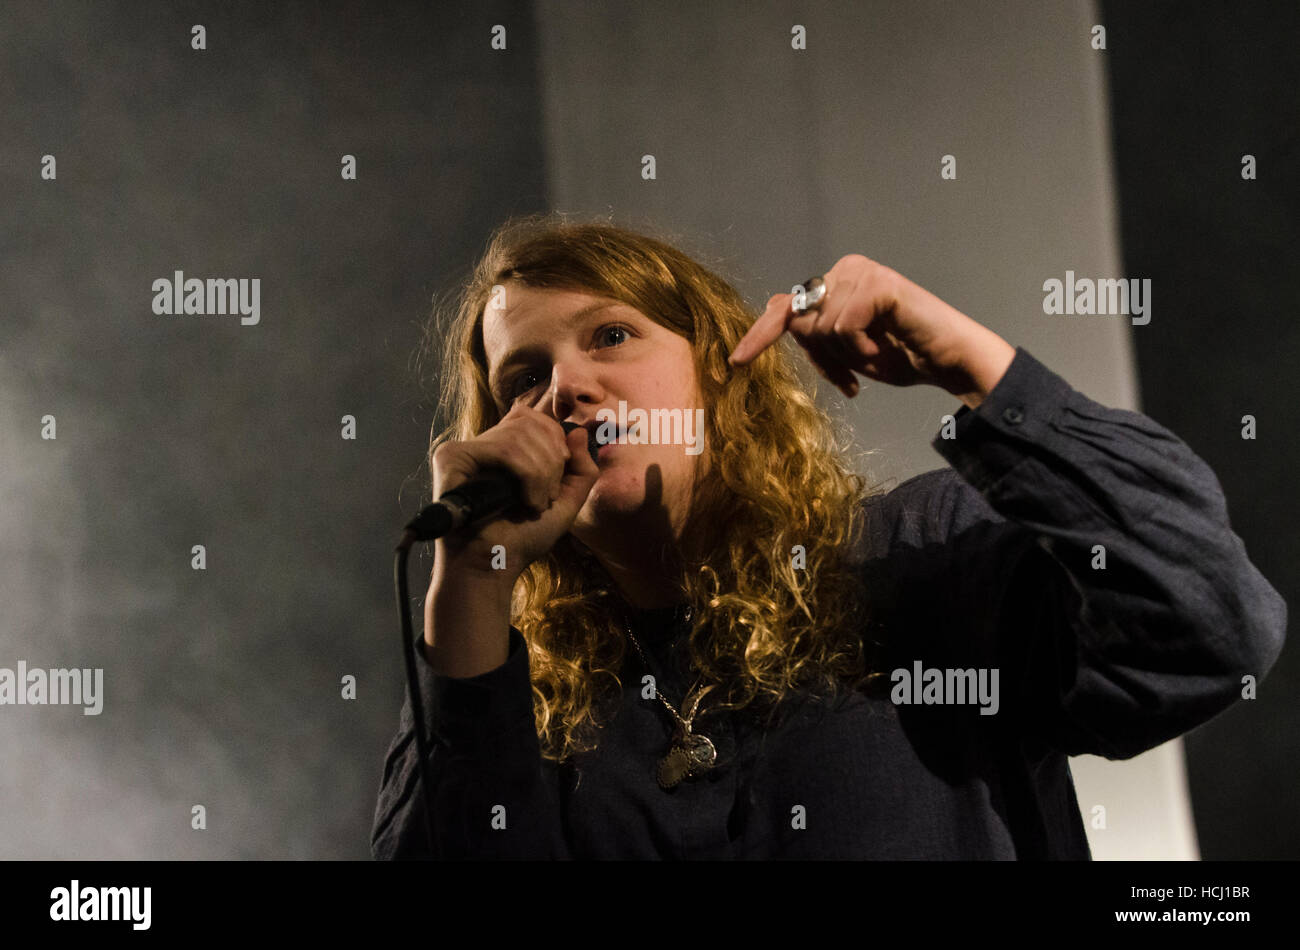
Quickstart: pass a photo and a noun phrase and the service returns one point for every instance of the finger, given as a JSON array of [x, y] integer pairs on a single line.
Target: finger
[[767, 329], [823, 332], [856, 346], [804, 330], [547, 442], [841, 327], [580, 461], [524, 447], [829, 366], [534, 422], [554, 434], [539, 465]]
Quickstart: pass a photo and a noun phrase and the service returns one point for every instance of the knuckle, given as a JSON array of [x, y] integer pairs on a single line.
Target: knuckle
[[883, 277], [540, 436], [891, 279]]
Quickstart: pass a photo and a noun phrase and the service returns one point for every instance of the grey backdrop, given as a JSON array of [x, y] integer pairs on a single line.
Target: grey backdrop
[[223, 685]]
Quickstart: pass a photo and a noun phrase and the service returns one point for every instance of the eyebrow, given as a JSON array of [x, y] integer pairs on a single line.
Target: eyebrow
[[522, 353]]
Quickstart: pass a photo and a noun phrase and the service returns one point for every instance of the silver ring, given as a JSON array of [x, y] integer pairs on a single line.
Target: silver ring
[[809, 295]]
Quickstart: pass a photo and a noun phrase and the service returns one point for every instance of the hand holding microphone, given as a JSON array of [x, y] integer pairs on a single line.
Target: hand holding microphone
[[467, 609], [545, 473]]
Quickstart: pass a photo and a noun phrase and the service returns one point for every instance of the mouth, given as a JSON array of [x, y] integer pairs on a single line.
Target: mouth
[[595, 446]]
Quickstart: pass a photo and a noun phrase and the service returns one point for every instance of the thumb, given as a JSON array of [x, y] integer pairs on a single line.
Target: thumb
[[580, 473]]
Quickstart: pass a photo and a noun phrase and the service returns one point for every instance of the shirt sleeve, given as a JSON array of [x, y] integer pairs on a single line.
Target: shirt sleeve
[[490, 791], [1099, 544]]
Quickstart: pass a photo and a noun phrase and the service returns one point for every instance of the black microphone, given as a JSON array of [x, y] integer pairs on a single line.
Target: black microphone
[[485, 496]]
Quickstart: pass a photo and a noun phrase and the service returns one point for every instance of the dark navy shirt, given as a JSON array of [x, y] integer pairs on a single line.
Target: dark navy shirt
[[1083, 552]]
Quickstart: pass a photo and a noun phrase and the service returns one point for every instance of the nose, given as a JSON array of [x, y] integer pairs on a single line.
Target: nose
[[574, 384]]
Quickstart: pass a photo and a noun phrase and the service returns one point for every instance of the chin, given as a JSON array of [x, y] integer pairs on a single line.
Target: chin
[[606, 500], [618, 493]]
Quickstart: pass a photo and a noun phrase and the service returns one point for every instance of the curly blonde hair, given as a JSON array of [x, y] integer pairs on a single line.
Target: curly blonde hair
[[772, 479]]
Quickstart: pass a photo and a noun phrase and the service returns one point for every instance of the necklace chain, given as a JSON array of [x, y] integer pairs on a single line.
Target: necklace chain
[[688, 755], [692, 697]]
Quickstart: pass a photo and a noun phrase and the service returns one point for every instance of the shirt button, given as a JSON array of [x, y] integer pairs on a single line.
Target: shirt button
[[1013, 415]]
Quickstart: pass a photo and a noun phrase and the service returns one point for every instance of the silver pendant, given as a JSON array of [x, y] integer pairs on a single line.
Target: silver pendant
[[700, 753]]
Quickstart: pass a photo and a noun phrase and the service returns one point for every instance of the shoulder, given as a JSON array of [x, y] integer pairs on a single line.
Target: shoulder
[[931, 508], [936, 538]]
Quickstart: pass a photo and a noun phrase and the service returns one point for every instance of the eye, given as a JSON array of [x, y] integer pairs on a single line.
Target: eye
[[521, 383], [604, 333]]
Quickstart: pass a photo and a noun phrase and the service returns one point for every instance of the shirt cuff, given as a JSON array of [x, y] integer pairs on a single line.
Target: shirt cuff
[[475, 711], [990, 440]]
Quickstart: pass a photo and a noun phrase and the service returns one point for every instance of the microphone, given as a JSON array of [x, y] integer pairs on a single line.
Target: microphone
[[488, 494]]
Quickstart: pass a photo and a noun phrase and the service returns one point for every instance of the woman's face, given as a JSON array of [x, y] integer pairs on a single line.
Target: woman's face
[[570, 355]]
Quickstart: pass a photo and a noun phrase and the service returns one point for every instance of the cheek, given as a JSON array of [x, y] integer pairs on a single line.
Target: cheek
[[677, 466], [671, 377]]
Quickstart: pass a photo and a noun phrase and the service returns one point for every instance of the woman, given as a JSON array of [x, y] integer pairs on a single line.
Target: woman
[[739, 651]]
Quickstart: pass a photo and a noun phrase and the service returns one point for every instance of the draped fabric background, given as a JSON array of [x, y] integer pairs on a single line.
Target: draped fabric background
[[225, 687]]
